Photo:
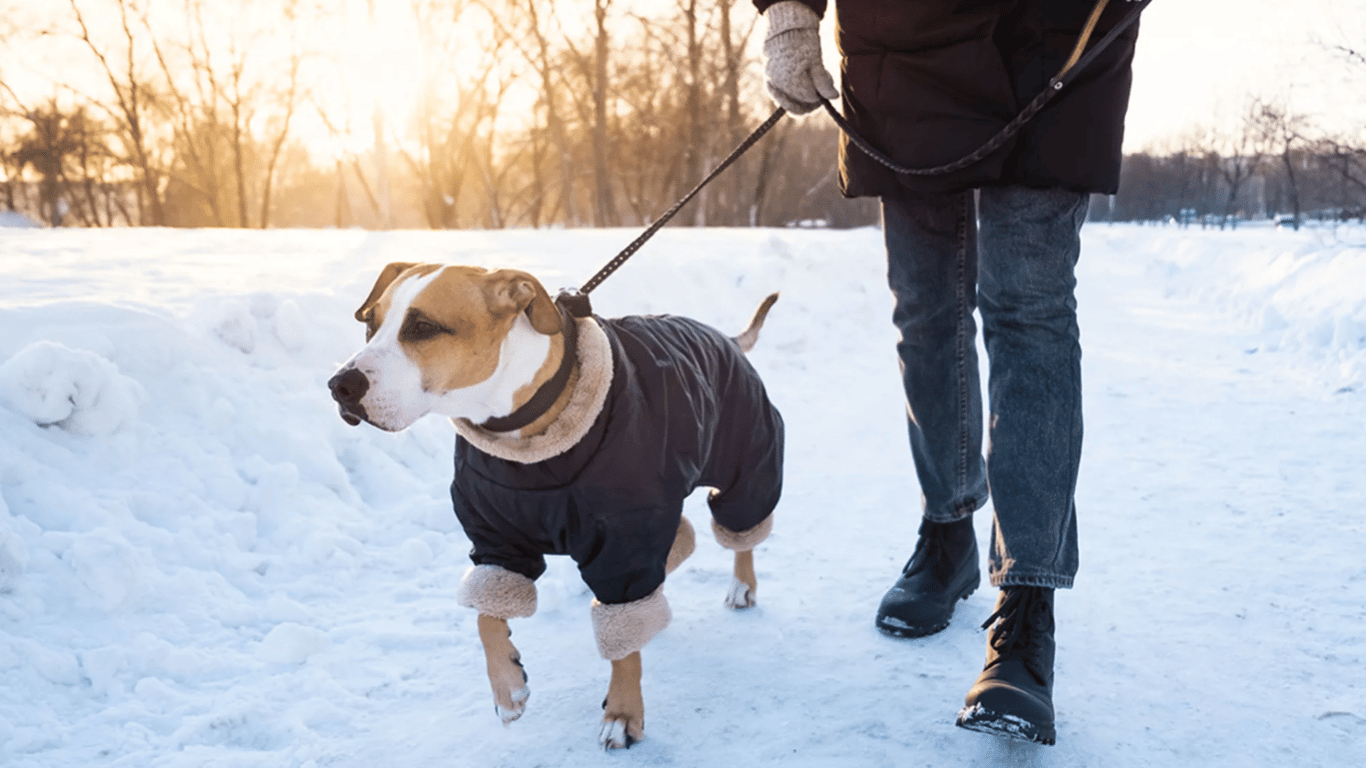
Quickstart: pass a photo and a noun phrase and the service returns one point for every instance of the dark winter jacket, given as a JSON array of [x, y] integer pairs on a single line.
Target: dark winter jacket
[[929, 81], [684, 409]]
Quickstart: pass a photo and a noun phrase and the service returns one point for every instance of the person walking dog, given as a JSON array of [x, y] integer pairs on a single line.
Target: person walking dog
[[928, 82]]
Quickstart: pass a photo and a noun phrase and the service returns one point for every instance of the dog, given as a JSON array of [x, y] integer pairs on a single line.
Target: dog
[[577, 437]]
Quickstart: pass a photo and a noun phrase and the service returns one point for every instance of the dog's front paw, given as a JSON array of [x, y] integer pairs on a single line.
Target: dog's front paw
[[510, 706], [740, 596], [621, 731], [510, 691]]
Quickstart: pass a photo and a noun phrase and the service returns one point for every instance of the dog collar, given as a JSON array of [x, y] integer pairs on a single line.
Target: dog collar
[[547, 393]]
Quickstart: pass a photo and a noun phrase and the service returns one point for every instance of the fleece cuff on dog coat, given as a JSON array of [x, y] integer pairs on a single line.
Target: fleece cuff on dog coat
[[624, 628], [497, 592], [742, 541]]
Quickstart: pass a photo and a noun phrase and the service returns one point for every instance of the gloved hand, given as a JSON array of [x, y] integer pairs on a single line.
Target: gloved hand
[[794, 74]]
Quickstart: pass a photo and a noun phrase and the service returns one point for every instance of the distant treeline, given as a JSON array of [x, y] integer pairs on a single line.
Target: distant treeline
[[577, 113], [582, 113], [1276, 165]]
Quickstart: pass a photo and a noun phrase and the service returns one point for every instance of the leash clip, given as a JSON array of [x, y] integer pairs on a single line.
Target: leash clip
[[574, 302]]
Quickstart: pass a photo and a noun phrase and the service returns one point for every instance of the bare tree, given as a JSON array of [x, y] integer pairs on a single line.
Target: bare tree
[[541, 57], [1280, 132], [343, 208], [1345, 160], [1345, 154], [10, 186], [682, 113], [618, 114], [732, 63], [45, 149], [1235, 158], [604, 209], [193, 110], [133, 100], [239, 106], [288, 100], [461, 154], [213, 101], [692, 111], [381, 151], [65, 148]]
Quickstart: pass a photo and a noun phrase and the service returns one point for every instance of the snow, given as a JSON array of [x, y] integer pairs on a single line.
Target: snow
[[16, 219], [201, 564], [78, 391]]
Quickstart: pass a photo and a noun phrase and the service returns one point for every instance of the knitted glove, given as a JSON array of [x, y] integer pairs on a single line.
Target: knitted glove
[[794, 74]]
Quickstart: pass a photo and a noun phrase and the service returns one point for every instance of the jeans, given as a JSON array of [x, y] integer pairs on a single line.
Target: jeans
[[1010, 253]]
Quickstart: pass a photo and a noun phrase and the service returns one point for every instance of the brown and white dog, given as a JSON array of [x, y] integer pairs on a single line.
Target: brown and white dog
[[530, 388]]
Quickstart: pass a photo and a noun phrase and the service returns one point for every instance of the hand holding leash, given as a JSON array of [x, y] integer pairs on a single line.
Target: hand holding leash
[[794, 73]]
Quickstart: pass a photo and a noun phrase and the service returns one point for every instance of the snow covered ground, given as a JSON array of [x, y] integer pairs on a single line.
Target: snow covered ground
[[202, 565]]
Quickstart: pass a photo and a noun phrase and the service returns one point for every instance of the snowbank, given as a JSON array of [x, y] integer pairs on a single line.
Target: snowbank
[[1300, 292], [201, 564], [78, 391]]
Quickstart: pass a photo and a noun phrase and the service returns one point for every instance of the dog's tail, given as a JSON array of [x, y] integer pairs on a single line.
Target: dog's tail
[[747, 339]]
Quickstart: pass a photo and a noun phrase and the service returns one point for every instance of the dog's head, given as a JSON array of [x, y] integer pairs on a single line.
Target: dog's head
[[453, 340]]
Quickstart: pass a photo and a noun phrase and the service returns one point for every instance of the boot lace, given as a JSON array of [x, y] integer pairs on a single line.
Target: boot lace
[[1022, 619], [932, 548]]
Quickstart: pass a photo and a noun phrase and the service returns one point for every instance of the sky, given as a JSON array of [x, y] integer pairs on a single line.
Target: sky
[[1198, 60]]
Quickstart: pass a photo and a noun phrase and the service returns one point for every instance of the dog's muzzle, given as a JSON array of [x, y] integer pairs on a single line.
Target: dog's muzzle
[[348, 388]]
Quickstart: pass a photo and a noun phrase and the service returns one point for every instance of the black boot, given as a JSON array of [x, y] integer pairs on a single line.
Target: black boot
[[942, 570], [1014, 694]]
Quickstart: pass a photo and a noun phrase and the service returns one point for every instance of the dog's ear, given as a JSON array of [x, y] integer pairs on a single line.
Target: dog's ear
[[386, 277], [515, 291]]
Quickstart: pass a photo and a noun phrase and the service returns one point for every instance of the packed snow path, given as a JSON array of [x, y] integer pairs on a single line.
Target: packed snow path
[[200, 564]]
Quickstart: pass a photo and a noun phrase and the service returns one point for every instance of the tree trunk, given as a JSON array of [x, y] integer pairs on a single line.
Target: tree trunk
[[692, 148], [604, 213], [731, 87], [553, 121]]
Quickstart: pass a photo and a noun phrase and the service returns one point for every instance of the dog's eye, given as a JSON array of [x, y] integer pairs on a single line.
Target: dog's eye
[[418, 328]]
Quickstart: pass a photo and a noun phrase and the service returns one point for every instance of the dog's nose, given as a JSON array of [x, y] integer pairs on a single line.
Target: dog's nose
[[349, 386]]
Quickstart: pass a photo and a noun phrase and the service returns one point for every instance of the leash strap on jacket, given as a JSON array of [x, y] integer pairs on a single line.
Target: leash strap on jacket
[[1077, 62]]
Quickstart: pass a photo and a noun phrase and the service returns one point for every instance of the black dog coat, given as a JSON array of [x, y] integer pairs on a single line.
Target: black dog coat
[[684, 409]]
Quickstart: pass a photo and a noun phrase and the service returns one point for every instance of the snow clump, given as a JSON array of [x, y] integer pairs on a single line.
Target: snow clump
[[78, 391]]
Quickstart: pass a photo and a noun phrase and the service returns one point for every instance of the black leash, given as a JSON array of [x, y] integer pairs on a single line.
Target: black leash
[[575, 301]]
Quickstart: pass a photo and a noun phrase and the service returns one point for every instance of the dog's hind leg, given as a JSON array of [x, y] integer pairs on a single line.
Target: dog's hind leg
[[744, 585], [685, 541], [506, 676], [623, 711]]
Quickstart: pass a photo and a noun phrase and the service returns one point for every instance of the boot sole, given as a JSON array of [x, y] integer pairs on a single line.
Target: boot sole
[[898, 628], [982, 720]]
